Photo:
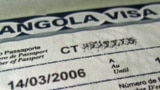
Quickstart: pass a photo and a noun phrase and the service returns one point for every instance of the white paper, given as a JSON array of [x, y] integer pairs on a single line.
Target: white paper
[[115, 58]]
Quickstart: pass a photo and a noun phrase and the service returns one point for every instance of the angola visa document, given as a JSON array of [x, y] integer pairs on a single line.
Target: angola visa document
[[115, 48]]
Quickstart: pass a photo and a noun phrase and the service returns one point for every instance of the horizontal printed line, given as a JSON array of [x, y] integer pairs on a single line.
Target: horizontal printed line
[[106, 80], [78, 58]]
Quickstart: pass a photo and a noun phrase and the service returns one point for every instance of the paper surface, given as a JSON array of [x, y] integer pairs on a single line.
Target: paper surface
[[118, 53], [24, 8]]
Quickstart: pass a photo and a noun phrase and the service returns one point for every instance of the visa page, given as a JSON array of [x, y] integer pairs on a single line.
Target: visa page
[[116, 48]]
